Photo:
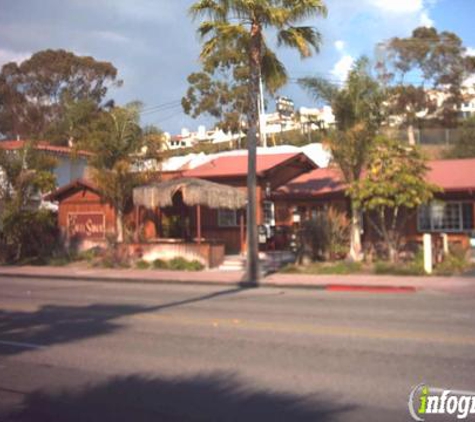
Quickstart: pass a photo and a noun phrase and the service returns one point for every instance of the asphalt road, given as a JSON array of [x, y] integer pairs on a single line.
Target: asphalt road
[[85, 351]]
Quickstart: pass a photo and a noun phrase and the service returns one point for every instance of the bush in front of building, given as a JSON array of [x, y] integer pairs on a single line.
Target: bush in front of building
[[324, 237], [28, 236], [160, 264], [181, 264], [455, 262], [142, 265]]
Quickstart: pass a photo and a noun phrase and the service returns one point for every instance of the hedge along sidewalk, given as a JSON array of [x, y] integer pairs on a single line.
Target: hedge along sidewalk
[[226, 278]]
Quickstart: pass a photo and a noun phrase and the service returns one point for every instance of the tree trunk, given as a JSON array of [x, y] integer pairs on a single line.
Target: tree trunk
[[392, 253], [356, 254], [120, 226], [411, 136], [253, 120]]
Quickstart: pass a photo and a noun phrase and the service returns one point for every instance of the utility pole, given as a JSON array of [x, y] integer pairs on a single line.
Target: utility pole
[[262, 114]]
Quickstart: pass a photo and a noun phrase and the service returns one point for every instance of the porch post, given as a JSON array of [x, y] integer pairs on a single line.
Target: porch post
[[241, 224], [158, 212], [137, 223], [198, 223]]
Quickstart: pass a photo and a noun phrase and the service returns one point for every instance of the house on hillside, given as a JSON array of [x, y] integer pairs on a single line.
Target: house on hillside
[[71, 165]]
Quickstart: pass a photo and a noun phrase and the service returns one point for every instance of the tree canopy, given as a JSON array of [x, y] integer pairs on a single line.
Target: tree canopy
[[418, 67], [37, 94], [393, 186]]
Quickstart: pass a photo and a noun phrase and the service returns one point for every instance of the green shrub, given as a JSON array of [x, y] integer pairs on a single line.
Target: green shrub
[[195, 266], [88, 255], [178, 264], [142, 265], [452, 264], [108, 262], [181, 264], [325, 237], [160, 264], [25, 233]]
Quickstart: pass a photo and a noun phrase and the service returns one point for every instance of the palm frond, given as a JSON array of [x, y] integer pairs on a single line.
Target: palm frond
[[303, 38], [319, 88], [273, 71], [300, 10], [211, 9]]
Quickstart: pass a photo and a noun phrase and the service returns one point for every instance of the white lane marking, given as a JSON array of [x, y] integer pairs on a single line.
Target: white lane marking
[[23, 345]]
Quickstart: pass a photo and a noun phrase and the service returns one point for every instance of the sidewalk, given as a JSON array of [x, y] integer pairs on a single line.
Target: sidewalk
[[324, 282]]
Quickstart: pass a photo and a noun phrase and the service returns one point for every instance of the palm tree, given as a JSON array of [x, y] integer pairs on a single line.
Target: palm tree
[[242, 24], [359, 111]]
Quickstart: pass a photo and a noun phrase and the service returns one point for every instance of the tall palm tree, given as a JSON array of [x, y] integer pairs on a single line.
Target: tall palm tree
[[358, 106], [243, 24]]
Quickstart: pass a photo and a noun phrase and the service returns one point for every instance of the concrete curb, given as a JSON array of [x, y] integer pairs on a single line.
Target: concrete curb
[[330, 287]]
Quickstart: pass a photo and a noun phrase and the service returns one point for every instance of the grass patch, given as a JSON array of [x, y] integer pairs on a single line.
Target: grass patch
[[402, 269], [325, 268]]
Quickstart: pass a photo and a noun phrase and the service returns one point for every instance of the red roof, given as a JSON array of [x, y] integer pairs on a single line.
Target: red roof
[[319, 182], [75, 185], [236, 165], [450, 175], [43, 146], [453, 175]]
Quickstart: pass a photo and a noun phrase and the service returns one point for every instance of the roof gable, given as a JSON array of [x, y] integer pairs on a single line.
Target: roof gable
[[236, 165], [70, 189]]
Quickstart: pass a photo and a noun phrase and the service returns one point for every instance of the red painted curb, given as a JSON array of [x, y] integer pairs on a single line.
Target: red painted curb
[[370, 289]]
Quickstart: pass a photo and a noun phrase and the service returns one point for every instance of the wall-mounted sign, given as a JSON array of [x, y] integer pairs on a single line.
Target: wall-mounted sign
[[86, 225]]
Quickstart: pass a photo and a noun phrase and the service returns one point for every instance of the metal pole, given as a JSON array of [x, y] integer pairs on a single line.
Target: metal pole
[[198, 223], [262, 114]]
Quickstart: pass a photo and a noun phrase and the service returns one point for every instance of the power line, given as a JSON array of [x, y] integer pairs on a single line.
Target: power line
[[160, 107]]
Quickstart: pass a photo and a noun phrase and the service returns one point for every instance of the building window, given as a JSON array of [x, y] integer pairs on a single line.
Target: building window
[[227, 218], [268, 211], [446, 217]]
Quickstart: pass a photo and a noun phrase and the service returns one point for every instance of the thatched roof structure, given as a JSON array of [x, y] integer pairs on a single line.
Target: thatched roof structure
[[194, 192]]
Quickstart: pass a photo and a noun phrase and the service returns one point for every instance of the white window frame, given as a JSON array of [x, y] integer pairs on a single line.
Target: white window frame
[[432, 219], [268, 215], [223, 215]]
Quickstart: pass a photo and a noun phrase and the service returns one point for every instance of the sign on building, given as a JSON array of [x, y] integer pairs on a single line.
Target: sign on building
[[86, 225]]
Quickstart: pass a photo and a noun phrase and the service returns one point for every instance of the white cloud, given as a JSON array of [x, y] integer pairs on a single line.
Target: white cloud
[[342, 67], [410, 9], [470, 51], [398, 6], [425, 20], [340, 45], [7, 56]]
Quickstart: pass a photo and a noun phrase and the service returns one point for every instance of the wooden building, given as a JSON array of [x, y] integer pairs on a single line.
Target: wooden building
[[273, 171], [451, 212], [290, 189]]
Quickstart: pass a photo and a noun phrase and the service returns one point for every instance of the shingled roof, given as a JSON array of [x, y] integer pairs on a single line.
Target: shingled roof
[[236, 165]]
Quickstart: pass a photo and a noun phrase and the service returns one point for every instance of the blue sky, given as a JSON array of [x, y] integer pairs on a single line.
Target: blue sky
[[154, 46]]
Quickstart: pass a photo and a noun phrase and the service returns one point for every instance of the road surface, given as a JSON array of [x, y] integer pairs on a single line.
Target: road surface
[[85, 351]]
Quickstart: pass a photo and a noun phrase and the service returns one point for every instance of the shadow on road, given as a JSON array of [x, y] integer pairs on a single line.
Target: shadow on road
[[215, 397], [52, 324]]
